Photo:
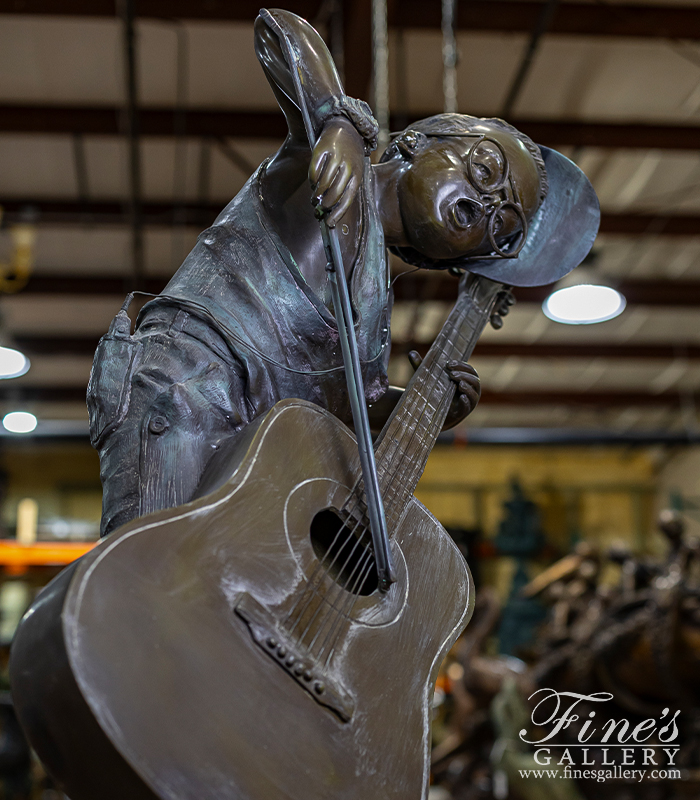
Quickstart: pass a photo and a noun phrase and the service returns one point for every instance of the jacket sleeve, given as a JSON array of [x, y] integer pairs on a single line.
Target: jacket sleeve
[[304, 79]]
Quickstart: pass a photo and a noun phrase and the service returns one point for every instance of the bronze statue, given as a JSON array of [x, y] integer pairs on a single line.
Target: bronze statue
[[257, 600], [246, 321]]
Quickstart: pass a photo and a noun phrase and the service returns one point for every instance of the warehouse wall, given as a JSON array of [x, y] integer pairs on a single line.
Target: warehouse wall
[[603, 495], [679, 484], [64, 479]]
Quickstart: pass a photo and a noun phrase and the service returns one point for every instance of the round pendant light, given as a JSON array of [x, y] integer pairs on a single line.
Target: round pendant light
[[19, 422], [583, 298], [12, 363]]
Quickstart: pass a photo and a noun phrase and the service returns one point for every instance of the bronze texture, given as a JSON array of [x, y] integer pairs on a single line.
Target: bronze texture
[[227, 639], [248, 319]]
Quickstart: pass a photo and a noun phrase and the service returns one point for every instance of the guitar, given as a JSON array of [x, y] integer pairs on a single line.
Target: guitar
[[237, 647]]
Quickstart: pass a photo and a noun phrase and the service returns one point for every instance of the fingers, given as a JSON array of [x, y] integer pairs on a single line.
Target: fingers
[[346, 190], [460, 368], [468, 391], [415, 358], [335, 190], [469, 398], [336, 169], [322, 172], [468, 383], [501, 308], [325, 159]]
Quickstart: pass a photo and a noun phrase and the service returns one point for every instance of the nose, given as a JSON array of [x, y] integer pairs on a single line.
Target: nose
[[467, 212]]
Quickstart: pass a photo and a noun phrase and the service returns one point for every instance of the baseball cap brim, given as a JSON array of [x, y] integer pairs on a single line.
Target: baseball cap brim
[[560, 235]]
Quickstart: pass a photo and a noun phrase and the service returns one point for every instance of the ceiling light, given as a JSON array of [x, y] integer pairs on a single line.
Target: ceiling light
[[584, 304], [19, 422], [583, 298], [12, 363]]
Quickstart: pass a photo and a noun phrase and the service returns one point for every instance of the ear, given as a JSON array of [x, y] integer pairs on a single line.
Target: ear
[[411, 143]]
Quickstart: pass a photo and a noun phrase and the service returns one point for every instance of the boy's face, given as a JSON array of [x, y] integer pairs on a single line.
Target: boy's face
[[457, 188]]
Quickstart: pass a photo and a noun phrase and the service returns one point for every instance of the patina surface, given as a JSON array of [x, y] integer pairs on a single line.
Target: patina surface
[[248, 320], [167, 649]]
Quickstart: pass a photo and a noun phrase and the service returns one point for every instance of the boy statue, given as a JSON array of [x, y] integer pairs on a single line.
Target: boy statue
[[247, 320], [269, 575]]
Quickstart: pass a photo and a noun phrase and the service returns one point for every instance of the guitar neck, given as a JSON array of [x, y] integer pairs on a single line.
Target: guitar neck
[[410, 433]]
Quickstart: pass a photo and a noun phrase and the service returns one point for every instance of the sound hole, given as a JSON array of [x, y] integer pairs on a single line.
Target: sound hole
[[344, 551]]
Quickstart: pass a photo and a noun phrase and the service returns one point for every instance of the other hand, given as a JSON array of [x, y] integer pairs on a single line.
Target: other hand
[[337, 165], [468, 389]]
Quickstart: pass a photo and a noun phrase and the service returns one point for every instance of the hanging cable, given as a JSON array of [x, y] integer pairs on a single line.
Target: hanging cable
[[204, 171], [336, 33], [81, 170], [182, 73], [330, 17], [542, 25], [126, 12], [449, 56], [380, 70], [401, 71]]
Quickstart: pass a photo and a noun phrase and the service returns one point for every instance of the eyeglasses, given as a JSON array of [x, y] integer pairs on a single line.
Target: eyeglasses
[[488, 172]]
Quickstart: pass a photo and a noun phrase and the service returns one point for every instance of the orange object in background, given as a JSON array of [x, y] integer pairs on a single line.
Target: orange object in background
[[14, 557]]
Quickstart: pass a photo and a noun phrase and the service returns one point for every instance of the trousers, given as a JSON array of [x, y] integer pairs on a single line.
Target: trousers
[[160, 402]]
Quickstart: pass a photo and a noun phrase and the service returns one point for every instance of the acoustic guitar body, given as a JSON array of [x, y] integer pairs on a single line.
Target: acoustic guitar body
[[203, 653]]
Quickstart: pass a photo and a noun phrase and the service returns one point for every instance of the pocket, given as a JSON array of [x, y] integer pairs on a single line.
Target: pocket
[[109, 388]]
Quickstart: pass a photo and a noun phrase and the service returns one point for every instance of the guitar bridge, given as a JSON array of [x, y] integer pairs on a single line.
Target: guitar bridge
[[293, 659]]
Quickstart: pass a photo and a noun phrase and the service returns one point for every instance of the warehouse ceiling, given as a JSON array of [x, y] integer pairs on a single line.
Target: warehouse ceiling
[[615, 87]]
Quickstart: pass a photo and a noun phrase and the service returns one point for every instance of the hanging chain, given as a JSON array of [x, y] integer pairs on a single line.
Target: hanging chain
[[449, 56], [380, 70]]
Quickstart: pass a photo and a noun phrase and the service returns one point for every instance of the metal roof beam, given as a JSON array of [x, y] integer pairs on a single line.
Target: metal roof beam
[[623, 352], [421, 287], [85, 346], [610, 399], [105, 120], [416, 287], [585, 19], [15, 391], [201, 215]]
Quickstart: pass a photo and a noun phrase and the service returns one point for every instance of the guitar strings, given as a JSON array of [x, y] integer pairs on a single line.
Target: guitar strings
[[348, 606], [350, 512], [352, 597], [464, 344], [340, 588], [412, 434], [348, 611], [352, 491], [320, 563], [445, 400], [342, 592], [314, 589], [336, 583], [362, 521], [360, 572]]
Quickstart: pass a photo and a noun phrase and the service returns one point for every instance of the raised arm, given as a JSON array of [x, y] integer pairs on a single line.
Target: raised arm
[[342, 128], [279, 34]]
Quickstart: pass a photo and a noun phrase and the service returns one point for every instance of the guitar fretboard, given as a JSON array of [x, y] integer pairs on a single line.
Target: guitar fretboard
[[409, 435]]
